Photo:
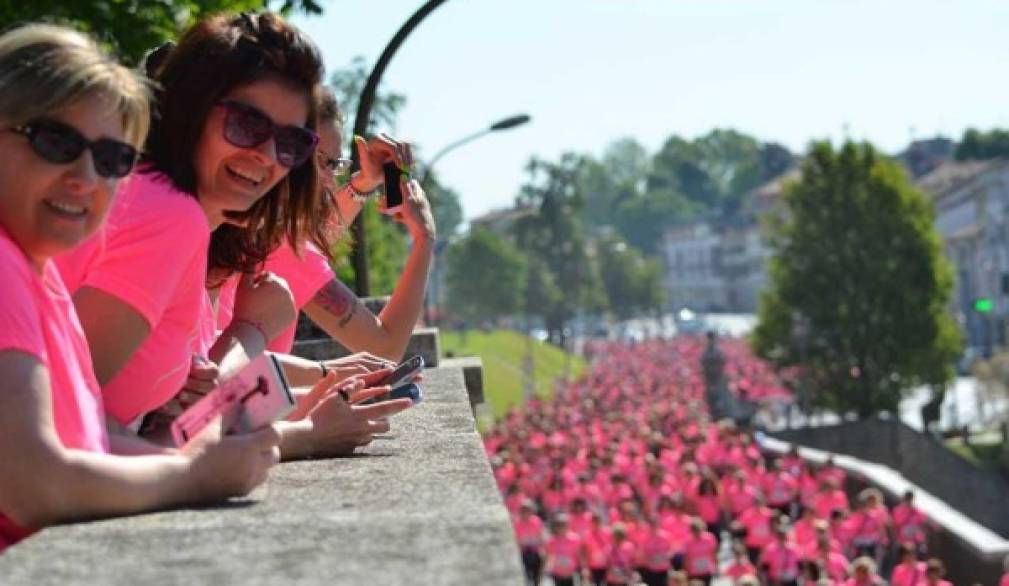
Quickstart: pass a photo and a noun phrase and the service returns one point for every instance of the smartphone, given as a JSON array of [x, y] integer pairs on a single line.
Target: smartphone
[[393, 189], [403, 373], [408, 391], [260, 393]]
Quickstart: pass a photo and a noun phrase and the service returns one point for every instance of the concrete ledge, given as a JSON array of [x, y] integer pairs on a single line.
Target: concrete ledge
[[472, 372], [972, 552], [419, 506], [424, 341]]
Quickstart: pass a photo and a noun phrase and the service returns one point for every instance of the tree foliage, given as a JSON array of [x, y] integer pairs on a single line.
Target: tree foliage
[[556, 236], [486, 276], [982, 145], [131, 28], [857, 266], [642, 196], [633, 283]]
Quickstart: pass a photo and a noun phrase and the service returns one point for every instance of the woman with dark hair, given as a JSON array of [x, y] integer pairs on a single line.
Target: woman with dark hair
[[226, 177], [316, 290]]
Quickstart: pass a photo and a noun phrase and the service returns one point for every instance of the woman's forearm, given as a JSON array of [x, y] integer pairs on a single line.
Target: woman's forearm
[[342, 315], [236, 347], [67, 485], [401, 314]]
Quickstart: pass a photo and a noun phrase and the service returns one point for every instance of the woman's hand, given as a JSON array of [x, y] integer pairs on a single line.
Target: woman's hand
[[339, 423], [374, 153], [357, 364], [232, 465], [415, 213], [204, 376], [265, 301]]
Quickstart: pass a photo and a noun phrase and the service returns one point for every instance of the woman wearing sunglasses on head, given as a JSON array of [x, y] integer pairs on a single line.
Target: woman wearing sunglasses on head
[[224, 179], [70, 122]]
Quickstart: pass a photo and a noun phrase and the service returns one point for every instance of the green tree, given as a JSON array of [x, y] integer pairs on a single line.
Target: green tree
[[444, 205], [387, 251], [131, 28], [633, 283], [555, 235], [858, 285], [486, 276], [982, 145]]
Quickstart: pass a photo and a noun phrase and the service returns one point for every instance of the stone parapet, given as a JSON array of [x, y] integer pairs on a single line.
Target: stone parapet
[[417, 506]]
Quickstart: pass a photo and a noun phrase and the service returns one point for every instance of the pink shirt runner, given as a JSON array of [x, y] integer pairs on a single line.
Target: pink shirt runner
[[152, 255], [529, 532], [305, 276], [37, 317], [908, 575], [782, 561], [699, 555], [562, 555]]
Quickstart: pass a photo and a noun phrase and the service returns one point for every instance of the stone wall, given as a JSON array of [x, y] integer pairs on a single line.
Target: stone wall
[[982, 496], [417, 506]]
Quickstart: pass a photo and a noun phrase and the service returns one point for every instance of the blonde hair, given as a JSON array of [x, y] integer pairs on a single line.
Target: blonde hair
[[44, 68]]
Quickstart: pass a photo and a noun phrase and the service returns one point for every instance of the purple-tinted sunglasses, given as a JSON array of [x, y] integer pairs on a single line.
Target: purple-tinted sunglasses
[[248, 127]]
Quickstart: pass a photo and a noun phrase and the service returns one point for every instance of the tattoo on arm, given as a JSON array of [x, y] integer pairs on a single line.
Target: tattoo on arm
[[350, 314], [338, 300]]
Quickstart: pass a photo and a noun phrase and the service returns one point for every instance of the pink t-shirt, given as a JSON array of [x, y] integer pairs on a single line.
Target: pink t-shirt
[[1004, 581], [37, 317], [654, 549], [909, 523], [739, 569], [699, 555], [908, 575], [152, 255], [826, 502], [622, 560], [782, 561], [529, 532], [758, 526], [597, 546], [562, 554], [305, 276]]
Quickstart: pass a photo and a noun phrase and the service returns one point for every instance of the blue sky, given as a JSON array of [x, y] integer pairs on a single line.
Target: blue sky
[[592, 71]]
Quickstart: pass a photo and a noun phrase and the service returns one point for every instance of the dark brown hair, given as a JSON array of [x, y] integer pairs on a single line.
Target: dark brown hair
[[324, 230], [215, 56]]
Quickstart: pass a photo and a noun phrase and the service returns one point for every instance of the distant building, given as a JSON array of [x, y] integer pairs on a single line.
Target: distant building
[[722, 266], [692, 256], [972, 216], [922, 156]]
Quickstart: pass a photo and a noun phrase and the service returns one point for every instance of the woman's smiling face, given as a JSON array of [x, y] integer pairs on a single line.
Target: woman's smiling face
[[49, 208], [231, 178]]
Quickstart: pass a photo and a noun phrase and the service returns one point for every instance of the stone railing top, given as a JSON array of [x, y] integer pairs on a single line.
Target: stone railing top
[[418, 506], [985, 541]]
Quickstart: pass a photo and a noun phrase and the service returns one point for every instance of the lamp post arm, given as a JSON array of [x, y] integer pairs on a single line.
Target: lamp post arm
[[447, 149]]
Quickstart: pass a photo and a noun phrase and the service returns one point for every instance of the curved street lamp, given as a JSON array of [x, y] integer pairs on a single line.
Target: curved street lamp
[[434, 284], [359, 254], [505, 124]]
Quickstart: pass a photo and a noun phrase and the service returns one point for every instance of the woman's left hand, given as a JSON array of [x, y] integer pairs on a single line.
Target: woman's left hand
[[374, 153]]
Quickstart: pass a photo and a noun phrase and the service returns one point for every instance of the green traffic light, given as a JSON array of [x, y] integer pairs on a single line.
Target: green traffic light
[[984, 305]]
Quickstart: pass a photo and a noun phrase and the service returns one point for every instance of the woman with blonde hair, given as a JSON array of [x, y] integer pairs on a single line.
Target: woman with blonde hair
[[71, 123]]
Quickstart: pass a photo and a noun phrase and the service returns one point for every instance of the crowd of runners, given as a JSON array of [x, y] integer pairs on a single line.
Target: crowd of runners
[[622, 478]]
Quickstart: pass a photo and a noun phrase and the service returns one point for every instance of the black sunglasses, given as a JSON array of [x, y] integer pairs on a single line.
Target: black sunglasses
[[61, 143], [247, 127]]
